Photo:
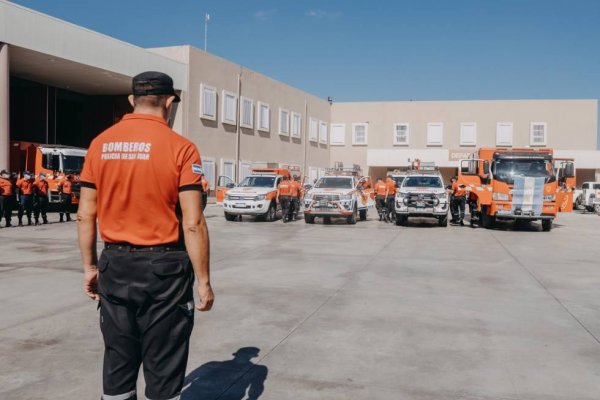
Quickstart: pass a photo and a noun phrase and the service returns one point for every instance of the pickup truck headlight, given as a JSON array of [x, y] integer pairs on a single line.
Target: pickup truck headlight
[[226, 197], [308, 196], [497, 196], [346, 197], [260, 197], [400, 195], [551, 197], [441, 196]]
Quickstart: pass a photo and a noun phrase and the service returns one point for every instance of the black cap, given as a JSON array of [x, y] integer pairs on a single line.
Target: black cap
[[153, 83]]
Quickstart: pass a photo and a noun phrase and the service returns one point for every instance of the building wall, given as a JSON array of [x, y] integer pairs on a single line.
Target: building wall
[[564, 119], [217, 140]]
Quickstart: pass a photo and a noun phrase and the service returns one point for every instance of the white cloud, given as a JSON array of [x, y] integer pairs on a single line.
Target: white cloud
[[321, 14], [264, 15]]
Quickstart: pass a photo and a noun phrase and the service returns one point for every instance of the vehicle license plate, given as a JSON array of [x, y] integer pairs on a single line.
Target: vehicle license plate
[[240, 205]]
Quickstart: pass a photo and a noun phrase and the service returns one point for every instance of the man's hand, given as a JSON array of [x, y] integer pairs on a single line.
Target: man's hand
[[90, 282], [207, 297]]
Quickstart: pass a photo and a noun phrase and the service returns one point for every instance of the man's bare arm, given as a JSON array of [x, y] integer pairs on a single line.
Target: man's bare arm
[[86, 232], [195, 233]]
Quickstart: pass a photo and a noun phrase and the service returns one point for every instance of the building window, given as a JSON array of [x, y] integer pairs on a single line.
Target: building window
[[338, 135], [504, 134], [401, 133], [228, 168], [247, 113], [323, 132], [284, 122], [360, 134], [313, 130], [208, 102], [538, 134], [264, 114], [468, 134], [313, 175], [229, 108], [245, 169], [435, 134], [296, 125], [208, 165]]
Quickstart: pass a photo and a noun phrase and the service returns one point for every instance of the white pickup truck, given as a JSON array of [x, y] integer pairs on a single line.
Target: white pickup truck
[[589, 197], [422, 194]]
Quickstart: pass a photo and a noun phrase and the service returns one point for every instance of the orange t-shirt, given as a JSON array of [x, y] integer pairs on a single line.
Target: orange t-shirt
[[138, 168], [285, 188], [381, 188], [391, 185], [458, 192], [6, 187], [65, 186], [42, 187], [25, 186], [295, 188]]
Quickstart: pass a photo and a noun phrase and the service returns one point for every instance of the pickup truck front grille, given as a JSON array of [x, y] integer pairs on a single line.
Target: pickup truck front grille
[[421, 200], [326, 197]]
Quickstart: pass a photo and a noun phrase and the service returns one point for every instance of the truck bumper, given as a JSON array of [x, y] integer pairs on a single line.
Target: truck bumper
[[246, 207]]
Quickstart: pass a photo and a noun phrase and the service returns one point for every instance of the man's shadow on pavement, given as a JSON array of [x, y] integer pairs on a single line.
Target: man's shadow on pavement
[[236, 379]]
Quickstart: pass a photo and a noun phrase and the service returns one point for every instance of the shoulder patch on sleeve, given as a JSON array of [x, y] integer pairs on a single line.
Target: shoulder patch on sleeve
[[197, 169]]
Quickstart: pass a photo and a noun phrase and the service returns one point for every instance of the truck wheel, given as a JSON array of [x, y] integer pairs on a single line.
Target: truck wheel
[[487, 221], [443, 221], [352, 218], [271, 213], [363, 215], [597, 208], [229, 217], [309, 219], [401, 220], [547, 225], [589, 208], [327, 220]]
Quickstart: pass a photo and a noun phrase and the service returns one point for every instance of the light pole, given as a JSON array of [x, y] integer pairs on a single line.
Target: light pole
[[206, 19]]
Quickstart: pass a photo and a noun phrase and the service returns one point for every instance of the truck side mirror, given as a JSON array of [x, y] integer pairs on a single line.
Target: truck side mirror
[[468, 167], [486, 167], [569, 170], [230, 185]]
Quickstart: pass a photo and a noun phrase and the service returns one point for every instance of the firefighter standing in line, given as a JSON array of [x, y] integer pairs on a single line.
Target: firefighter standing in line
[[391, 195], [284, 197], [451, 200], [459, 194], [25, 186], [296, 196], [6, 197], [381, 192], [144, 278], [472, 200], [40, 199], [65, 188], [205, 191]]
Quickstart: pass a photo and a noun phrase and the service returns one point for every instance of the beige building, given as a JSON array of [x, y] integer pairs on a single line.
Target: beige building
[[61, 83]]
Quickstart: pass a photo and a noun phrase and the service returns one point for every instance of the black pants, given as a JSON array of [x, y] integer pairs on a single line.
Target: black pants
[[6, 208], [40, 205], [380, 203], [65, 206], [146, 318], [25, 207], [457, 208], [286, 207], [390, 204]]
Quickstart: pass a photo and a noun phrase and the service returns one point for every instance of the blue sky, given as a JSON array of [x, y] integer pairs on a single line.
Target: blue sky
[[376, 50]]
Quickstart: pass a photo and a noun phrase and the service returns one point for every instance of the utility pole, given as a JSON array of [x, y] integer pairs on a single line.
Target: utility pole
[[206, 19]]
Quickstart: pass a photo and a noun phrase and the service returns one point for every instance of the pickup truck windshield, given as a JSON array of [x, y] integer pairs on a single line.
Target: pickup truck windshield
[[506, 170], [335, 183], [258, 181], [422, 181], [73, 164]]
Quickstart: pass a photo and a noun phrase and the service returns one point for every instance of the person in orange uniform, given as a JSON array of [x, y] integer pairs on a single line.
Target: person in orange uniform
[[40, 199], [459, 194], [25, 187], [381, 192], [6, 197], [391, 194], [296, 196], [141, 184], [65, 188], [284, 197], [205, 191]]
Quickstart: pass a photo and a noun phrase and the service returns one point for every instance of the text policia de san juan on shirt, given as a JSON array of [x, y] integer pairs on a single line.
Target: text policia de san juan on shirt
[[126, 151]]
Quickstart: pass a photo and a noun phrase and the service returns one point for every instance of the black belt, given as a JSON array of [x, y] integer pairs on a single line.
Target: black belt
[[154, 248]]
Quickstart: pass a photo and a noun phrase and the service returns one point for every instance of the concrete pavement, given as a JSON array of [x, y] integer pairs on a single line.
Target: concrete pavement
[[371, 311]]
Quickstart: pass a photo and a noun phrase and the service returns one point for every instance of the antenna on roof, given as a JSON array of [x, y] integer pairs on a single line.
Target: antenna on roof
[[206, 19]]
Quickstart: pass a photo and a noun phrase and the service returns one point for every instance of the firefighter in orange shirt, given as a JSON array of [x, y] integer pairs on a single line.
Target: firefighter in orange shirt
[[391, 195], [40, 199], [284, 197], [296, 196], [459, 193], [6, 197], [205, 191], [25, 186], [381, 192], [65, 188]]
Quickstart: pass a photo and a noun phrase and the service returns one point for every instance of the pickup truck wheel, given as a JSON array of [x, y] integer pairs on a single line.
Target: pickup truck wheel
[[352, 218], [229, 217], [363, 215], [547, 225], [443, 221], [487, 221], [327, 220], [401, 220], [597, 208], [271, 213], [309, 219]]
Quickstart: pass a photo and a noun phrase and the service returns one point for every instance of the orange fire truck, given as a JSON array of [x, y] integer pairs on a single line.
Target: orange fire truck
[[517, 184], [55, 161]]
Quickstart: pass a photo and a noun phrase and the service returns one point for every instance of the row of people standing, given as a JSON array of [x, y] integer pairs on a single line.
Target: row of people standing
[[289, 193], [29, 196], [459, 198], [385, 195]]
